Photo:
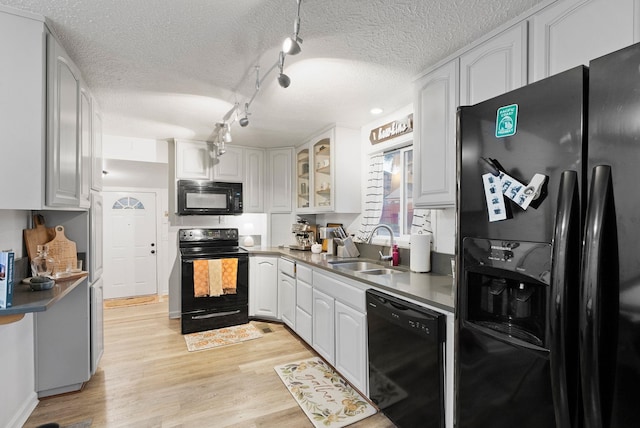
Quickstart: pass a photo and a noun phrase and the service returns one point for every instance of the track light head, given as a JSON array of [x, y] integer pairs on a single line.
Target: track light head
[[284, 80], [244, 121], [291, 45]]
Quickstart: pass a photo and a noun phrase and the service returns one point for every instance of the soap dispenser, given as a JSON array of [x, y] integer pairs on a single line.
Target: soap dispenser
[[395, 255]]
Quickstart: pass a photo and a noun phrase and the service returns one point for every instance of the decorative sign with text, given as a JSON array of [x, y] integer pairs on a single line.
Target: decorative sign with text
[[391, 130]]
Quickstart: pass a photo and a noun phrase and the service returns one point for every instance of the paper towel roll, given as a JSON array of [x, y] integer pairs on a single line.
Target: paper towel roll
[[420, 257]]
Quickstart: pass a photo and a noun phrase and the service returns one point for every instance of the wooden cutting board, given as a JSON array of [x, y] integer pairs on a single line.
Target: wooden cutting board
[[62, 250], [39, 235]]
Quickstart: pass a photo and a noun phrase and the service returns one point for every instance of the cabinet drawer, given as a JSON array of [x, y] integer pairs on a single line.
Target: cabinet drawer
[[341, 291], [304, 273], [304, 296], [287, 267]]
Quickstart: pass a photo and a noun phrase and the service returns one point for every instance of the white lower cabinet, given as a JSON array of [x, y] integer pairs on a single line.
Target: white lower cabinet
[[263, 288], [287, 300], [287, 292], [62, 344], [323, 325], [304, 303], [340, 326], [351, 345]]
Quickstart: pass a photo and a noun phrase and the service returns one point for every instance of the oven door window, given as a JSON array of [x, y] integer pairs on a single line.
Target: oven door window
[[220, 281], [208, 200]]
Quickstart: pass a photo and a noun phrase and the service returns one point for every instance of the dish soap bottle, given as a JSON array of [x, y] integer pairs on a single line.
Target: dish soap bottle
[[395, 255], [42, 264]]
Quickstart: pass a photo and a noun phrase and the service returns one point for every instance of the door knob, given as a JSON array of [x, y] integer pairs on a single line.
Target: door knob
[[153, 244], [153, 251]]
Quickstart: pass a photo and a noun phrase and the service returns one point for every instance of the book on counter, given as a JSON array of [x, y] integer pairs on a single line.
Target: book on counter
[[6, 278]]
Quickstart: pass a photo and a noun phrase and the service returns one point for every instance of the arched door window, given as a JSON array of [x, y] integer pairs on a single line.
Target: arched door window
[[127, 203]]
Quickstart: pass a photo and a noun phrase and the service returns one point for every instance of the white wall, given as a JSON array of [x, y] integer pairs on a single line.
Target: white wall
[[17, 366]]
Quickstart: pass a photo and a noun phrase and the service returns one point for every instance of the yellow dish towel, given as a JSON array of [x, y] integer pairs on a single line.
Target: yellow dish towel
[[229, 275], [200, 278], [215, 278]]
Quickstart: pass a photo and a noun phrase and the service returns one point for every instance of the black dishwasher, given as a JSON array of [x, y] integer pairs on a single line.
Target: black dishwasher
[[406, 353]]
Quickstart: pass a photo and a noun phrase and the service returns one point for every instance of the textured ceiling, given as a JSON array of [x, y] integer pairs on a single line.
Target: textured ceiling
[[173, 68]]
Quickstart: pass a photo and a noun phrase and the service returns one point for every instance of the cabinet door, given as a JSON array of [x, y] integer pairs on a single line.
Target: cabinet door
[[63, 160], [229, 166], [193, 161], [97, 324], [322, 148], [96, 238], [96, 147], [351, 345], [304, 308], [323, 325], [22, 120], [287, 300], [85, 148], [303, 177], [253, 191], [62, 348], [434, 144], [279, 180], [572, 32], [263, 287], [497, 66]]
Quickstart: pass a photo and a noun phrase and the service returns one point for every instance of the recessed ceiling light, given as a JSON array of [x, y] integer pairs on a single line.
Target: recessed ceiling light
[[376, 110]]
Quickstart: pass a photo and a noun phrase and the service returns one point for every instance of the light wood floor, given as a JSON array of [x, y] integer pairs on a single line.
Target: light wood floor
[[147, 378]]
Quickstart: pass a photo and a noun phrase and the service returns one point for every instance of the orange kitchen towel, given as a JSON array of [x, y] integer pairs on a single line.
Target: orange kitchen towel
[[200, 278], [215, 278], [229, 275]]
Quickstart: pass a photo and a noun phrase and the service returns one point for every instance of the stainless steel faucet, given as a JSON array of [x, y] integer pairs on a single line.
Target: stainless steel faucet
[[388, 228]]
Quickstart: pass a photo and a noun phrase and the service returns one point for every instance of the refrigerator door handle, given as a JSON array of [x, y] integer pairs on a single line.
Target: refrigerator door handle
[[562, 325], [598, 317]]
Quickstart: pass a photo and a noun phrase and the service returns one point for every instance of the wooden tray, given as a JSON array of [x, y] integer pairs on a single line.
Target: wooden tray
[[39, 235], [63, 251]]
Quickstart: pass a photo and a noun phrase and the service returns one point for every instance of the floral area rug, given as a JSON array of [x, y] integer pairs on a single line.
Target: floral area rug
[[326, 398], [221, 337]]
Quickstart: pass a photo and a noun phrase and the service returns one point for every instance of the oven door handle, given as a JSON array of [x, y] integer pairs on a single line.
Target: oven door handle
[[214, 315]]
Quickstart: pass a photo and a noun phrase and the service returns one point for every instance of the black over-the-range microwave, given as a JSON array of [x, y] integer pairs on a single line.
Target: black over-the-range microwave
[[201, 197]]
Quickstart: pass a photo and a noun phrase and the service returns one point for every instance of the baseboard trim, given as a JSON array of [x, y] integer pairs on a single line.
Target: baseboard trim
[[21, 416]]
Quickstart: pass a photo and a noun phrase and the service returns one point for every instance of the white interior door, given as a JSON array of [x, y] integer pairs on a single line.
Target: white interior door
[[130, 244]]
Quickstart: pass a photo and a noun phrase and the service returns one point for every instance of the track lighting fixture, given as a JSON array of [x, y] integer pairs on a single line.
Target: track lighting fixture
[[222, 132], [291, 45], [283, 79]]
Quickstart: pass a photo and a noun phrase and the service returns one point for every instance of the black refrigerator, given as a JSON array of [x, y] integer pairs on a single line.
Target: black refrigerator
[[548, 302]]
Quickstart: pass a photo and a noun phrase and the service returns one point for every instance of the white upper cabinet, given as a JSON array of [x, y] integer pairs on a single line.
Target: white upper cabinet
[[193, 161], [85, 147], [22, 120], [63, 149], [328, 172], [434, 144], [96, 147], [230, 166], [279, 180], [495, 67], [253, 198], [569, 33]]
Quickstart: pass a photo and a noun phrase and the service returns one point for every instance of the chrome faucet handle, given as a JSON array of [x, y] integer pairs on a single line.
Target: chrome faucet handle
[[383, 257]]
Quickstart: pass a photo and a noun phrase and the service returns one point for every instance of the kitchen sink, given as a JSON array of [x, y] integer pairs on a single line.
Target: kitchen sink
[[356, 266], [384, 271], [363, 267]]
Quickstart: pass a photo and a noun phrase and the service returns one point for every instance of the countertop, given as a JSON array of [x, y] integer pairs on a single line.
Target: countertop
[[25, 300], [429, 288]]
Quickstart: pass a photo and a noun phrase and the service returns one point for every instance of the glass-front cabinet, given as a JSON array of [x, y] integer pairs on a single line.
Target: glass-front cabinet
[[328, 172], [302, 172], [322, 174]]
